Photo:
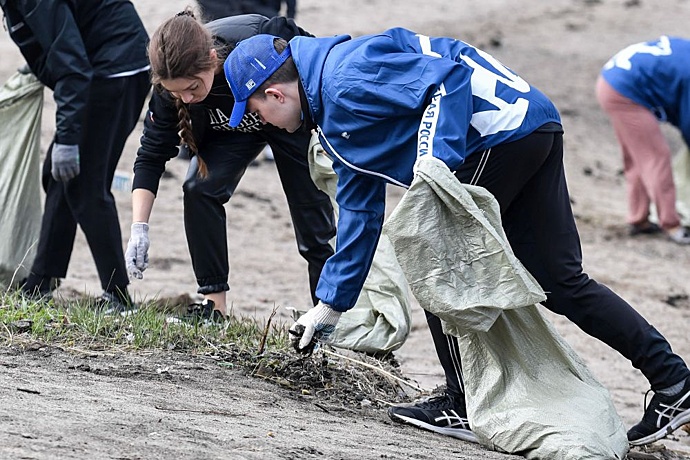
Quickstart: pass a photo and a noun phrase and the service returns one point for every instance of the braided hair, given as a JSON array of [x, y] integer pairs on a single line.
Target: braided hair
[[179, 48]]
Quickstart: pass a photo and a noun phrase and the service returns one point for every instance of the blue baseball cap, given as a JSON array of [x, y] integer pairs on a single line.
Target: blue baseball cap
[[247, 67]]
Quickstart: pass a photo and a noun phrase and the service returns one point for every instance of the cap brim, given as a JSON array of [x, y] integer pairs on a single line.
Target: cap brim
[[238, 111]]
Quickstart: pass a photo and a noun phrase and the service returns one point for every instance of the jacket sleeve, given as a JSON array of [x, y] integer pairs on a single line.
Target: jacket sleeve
[[66, 68], [159, 142], [361, 200]]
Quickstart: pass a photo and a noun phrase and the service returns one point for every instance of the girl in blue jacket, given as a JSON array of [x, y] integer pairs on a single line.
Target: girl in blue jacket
[[378, 102]]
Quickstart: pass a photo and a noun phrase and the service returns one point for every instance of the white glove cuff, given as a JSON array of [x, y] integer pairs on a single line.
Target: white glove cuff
[[140, 226], [324, 314]]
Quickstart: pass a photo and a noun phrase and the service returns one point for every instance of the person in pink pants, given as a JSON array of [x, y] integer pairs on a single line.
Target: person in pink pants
[[640, 87]]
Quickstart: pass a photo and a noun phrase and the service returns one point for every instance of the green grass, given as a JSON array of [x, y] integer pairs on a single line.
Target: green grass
[[79, 323], [259, 347]]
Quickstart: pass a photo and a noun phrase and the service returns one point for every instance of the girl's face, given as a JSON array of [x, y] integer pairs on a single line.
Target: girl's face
[[191, 90], [194, 89]]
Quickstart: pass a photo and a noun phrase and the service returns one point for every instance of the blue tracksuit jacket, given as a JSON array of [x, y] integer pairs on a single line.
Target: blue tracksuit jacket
[[379, 101]]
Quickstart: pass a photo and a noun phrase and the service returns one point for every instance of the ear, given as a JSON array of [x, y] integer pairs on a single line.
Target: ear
[[214, 54], [275, 93]]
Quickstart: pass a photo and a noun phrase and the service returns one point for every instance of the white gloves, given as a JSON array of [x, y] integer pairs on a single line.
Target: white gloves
[[314, 326], [65, 162], [137, 254]]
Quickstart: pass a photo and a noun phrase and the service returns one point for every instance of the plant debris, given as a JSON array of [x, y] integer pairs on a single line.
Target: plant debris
[[336, 381]]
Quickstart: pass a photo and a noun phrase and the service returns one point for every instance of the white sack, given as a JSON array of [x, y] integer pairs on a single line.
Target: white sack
[[527, 391], [21, 106]]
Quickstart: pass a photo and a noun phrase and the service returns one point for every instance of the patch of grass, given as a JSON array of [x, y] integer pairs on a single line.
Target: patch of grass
[[80, 323], [260, 348]]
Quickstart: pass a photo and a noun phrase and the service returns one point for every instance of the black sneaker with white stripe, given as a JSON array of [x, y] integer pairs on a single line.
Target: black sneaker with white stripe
[[443, 414], [663, 416], [203, 313]]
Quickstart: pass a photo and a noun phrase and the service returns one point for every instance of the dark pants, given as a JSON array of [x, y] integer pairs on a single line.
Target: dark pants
[[204, 213], [112, 113], [216, 9], [528, 180]]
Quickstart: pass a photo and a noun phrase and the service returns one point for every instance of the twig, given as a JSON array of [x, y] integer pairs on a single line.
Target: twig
[[379, 370], [20, 265], [262, 344], [9, 333], [217, 350], [26, 390], [209, 412], [322, 408]]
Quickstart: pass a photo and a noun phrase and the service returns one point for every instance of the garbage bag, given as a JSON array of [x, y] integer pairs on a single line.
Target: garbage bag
[[380, 320], [527, 391], [21, 107]]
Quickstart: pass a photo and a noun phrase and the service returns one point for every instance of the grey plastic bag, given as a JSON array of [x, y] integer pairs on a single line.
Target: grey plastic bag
[[21, 107], [527, 391], [380, 320]]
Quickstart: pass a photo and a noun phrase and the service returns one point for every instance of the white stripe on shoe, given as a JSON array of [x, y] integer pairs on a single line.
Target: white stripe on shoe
[[457, 427], [681, 417]]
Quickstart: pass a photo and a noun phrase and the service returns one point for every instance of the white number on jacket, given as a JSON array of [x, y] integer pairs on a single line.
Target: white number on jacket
[[507, 116]]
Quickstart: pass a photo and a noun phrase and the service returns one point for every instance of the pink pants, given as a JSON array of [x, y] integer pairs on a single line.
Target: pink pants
[[646, 157]]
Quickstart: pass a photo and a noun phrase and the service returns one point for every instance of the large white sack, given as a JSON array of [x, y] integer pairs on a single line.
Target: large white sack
[[21, 106], [527, 391]]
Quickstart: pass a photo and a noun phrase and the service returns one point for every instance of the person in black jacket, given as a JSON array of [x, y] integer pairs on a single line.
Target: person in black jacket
[[92, 54], [191, 104], [216, 9]]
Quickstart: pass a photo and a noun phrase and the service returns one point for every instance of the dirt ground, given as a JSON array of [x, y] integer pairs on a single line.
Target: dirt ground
[[59, 404]]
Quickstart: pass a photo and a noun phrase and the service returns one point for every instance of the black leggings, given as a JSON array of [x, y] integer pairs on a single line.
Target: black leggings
[[204, 214], [528, 180]]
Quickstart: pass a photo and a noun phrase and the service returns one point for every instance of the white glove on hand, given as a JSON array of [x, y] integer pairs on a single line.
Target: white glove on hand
[[137, 254], [314, 326], [65, 162]]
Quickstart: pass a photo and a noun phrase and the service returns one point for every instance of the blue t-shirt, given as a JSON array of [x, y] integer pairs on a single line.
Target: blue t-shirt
[[656, 75]]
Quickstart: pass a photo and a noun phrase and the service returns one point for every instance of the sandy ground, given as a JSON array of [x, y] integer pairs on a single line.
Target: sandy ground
[[57, 405]]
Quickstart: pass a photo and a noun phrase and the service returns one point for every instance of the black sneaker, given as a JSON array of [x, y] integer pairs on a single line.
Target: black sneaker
[[38, 288], [203, 313], [663, 416], [112, 304], [442, 414], [36, 295]]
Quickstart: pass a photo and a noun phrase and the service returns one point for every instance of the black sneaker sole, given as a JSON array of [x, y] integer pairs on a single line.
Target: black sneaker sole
[[458, 433], [680, 420]]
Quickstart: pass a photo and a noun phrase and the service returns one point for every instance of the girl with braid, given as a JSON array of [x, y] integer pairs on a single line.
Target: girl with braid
[[191, 104]]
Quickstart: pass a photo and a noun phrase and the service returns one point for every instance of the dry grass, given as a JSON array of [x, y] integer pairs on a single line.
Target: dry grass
[[337, 380]]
